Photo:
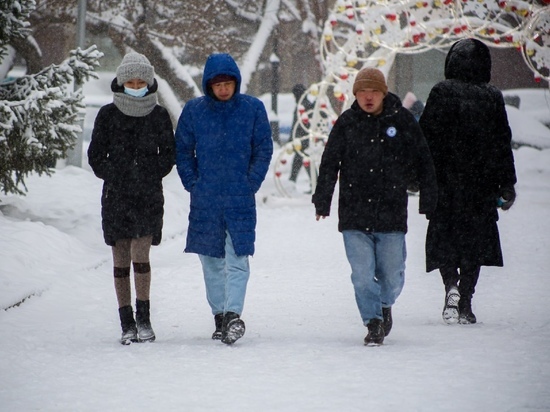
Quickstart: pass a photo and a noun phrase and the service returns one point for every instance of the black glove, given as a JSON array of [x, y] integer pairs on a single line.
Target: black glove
[[507, 198]]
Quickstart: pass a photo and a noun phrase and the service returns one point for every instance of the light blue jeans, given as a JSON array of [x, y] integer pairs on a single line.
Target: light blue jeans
[[226, 280], [377, 263]]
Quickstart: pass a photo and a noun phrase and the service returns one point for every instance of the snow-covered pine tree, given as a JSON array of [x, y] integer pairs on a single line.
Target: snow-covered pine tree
[[38, 112]]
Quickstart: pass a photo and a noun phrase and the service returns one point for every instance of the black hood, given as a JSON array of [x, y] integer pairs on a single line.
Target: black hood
[[468, 60]]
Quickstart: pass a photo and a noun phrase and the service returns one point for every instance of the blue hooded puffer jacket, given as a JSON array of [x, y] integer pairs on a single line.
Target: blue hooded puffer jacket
[[223, 153]]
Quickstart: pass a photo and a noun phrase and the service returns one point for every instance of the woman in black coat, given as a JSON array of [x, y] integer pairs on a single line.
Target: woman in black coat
[[132, 149], [466, 127]]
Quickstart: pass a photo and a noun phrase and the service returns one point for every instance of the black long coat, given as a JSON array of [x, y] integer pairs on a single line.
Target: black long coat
[[132, 155], [466, 127], [376, 158]]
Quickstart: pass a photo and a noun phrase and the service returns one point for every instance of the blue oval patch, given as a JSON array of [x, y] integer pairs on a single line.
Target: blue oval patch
[[391, 131]]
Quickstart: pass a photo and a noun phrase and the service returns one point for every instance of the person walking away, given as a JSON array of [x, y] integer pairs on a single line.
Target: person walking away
[[376, 149], [299, 133], [132, 148], [467, 130], [415, 106], [224, 149]]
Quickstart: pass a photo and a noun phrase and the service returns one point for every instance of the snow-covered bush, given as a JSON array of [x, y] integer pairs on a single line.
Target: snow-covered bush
[[39, 113]]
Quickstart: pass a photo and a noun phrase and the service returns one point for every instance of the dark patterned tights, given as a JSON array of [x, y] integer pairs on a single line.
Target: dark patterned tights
[[134, 252]]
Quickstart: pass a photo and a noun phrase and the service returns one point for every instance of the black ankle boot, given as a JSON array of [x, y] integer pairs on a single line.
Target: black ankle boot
[[466, 316], [218, 321], [144, 330], [376, 333], [233, 328], [467, 287], [128, 324]]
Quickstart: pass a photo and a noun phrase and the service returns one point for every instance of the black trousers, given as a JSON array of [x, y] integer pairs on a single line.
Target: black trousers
[[465, 278]]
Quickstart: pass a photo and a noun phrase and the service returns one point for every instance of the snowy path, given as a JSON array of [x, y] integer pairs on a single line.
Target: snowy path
[[303, 347]]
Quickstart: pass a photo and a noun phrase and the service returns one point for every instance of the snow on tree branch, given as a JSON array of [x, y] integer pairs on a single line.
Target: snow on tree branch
[[13, 20], [241, 12], [180, 71], [250, 61]]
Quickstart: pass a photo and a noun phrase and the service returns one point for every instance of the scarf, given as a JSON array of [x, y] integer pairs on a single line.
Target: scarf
[[135, 106]]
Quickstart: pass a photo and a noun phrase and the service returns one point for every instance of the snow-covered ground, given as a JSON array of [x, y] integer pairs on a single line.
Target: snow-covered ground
[[303, 349]]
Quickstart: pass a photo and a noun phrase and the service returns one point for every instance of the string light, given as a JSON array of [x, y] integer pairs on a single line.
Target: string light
[[370, 33]]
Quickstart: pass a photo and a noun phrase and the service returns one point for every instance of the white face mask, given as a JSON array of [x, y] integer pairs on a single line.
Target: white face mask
[[136, 92]]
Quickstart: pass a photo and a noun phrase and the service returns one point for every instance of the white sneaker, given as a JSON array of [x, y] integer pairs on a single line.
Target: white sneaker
[[450, 310]]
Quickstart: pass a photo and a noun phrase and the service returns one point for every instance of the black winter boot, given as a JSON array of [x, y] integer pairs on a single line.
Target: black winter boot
[[144, 329], [233, 328], [375, 336], [128, 324], [218, 321], [388, 321], [466, 316], [467, 287]]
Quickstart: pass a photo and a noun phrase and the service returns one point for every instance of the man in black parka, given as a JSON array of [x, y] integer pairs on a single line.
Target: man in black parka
[[376, 149], [466, 127]]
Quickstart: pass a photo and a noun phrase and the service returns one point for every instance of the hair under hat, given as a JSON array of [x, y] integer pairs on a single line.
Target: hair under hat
[[220, 78], [135, 66], [370, 78]]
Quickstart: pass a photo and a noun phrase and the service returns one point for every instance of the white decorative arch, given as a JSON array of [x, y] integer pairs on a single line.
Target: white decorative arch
[[365, 33]]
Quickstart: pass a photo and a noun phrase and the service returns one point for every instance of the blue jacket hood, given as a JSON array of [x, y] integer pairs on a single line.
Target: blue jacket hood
[[216, 64]]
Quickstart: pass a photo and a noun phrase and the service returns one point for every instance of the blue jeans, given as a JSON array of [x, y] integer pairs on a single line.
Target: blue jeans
[[377, 263], [226, 280]]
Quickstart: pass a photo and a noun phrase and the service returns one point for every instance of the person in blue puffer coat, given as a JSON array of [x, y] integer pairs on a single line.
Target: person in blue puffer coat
[[223, 152]]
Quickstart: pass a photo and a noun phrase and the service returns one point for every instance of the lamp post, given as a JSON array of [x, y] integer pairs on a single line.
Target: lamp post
[[74, 157], [274, 60]]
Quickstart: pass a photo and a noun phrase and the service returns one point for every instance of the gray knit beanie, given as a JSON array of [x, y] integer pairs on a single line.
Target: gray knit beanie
[[135, 66]]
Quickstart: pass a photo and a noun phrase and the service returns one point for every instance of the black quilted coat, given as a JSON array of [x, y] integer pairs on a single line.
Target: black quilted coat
[[466, 127], [375, 158], [132, 155]]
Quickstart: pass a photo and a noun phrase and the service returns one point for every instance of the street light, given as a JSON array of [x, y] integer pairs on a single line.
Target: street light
[[74, 157], [274, 60]]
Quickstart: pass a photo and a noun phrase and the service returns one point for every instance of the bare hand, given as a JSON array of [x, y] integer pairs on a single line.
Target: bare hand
[[317, 217]]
